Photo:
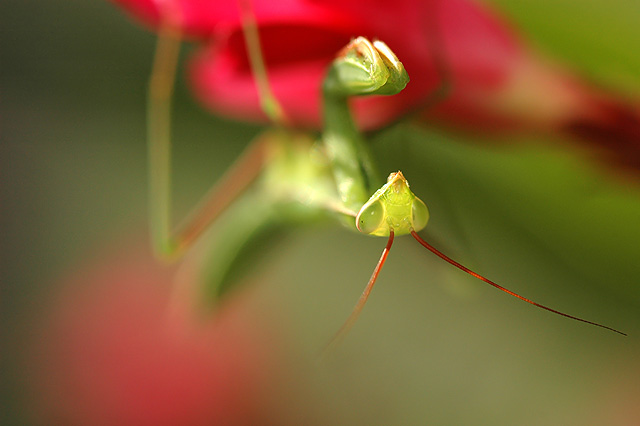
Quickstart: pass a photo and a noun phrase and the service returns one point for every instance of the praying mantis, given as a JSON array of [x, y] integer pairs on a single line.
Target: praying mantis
[[286, 175]]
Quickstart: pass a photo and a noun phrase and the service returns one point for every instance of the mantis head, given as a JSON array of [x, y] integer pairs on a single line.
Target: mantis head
[[393, 207]]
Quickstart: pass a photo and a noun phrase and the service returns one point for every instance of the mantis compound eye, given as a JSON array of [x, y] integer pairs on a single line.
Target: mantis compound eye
[[419, 214], [370, 217]]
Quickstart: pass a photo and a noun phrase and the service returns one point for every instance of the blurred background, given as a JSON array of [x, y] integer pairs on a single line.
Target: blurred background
[[433, 346]]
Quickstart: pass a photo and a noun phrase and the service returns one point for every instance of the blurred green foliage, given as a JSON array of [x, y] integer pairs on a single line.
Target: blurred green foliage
[[600, 39]]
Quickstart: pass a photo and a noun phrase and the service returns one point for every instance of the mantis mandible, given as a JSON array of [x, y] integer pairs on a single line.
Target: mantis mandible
[[286, 169]]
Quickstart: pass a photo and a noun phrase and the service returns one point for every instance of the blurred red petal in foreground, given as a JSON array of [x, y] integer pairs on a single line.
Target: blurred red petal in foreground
[[111, 355]]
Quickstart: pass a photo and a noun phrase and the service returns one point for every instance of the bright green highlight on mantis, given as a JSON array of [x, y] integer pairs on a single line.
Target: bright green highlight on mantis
[[284, 176], [393, 208]]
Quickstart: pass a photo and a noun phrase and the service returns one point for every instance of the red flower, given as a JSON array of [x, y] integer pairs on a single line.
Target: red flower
[[111, 354], [497, 82]]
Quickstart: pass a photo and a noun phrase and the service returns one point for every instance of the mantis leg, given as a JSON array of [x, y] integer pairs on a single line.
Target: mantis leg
[[169, 244], [268, 101], [160, 92]]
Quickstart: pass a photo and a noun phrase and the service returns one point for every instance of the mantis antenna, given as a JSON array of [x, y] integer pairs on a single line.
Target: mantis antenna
[[363, 298], [499, 287]]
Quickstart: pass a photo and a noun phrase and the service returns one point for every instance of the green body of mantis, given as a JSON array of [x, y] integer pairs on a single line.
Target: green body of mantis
[[285, 176]]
